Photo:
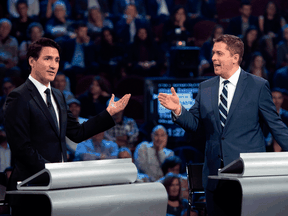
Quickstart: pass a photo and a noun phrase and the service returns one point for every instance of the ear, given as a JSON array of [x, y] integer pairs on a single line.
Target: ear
[[236, 58], [31, 61]]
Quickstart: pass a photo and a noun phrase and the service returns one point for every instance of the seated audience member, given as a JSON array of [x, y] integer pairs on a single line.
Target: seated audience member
[[143, 55], [33, 8], [94, 100], [96, 22], [21, 23], [205, 55], [280, 79], [127, 26], [251, 45], [34, 32], [119, 7], [199, 10], [82, 7], [60, 82], [46, 8], [5, 152], [78, 55], [159, 11], [8, 50], [148, 157], [96, 148], [282, 49], [58, 26], [278, 99], [238, 25], [178, 28], [257, 66], [75, 108], [125, 132], [177, 206]]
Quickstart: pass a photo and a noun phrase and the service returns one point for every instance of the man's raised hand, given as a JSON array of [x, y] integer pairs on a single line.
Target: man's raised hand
[[115, 107], [170, 102]]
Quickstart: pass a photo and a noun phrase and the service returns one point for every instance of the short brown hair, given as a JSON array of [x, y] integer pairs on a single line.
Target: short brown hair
[[234, 44]]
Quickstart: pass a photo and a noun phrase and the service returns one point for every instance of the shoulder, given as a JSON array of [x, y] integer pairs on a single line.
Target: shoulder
[[168, 151], [253, 79], [209, 82]]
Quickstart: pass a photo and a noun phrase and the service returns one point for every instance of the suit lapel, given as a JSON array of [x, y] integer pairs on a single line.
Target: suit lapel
[[60, 105], [214, 100]]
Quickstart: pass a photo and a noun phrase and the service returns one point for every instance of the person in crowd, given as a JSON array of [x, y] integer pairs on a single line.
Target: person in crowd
[[5, 152], [94, 100], [127, 26], [159, 11], [125, 132], [60, 83], [37, 121], [21, 23], [144, 57], [83, 6], [119, 7], [239, 25], [178, 28], [46, 11], [96, 22], [205, 54], [280, 79], [8, 50], [282, 49], [229, 106], [34, 32], [257, 66], [251, 45], [96, 148], [148, 157], [270, 24], [198, 10], [33, 8], [79, 55], [58, 26]]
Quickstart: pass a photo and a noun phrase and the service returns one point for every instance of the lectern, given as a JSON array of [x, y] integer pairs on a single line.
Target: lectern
[[102, 187], [259, 183]]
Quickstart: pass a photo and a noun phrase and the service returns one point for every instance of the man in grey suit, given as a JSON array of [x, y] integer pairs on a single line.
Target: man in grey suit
[[37, 119], [232, 107]]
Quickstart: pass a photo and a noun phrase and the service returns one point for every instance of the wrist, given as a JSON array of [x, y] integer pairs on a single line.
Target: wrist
[[177, 111]]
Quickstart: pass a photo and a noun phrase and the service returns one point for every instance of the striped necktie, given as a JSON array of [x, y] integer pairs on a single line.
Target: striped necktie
[[223, 108]]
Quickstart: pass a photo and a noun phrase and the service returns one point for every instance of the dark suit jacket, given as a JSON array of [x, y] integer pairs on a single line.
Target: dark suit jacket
[[32, 135], [252, 102], [235, 25], [152, 7]]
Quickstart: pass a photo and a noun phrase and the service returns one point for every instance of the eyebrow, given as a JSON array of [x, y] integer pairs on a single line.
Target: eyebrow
[[58, 57]]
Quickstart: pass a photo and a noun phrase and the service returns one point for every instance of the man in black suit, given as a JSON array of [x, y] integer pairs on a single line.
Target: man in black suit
[[37, 119]]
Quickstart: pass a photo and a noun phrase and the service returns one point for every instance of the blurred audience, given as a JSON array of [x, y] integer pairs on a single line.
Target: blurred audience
[[7, 86], [282, 49], [148, 157], [33, 8], [159, 10], [46, 8], [83, 6], [60, 82], [119, 7], [257, 66], [280, 79], [5, 152], [198, 9]]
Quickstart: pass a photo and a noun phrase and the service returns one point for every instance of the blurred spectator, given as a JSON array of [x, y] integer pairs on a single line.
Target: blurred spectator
[[33, 8], [58, 25], [79, 55], [96, 22], [282, 49], [270, 25], [119, 7], [280, 79], [251, 45], [257, 66], [75, 108], [127, 26], [94, 100], [96, 148], [5, 152], [21, 23], [144, 55], [8, 50], [148, 157], [125, 132], [60, 82], [178, 28], [201, 9], [7, 86], [205, 55], [46, 8], [238, 25], [159, 10], [33, 32], [82, 7]]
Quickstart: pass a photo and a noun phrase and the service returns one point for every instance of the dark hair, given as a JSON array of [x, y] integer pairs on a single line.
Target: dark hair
[[7, 79], [148, 41], [167, 182], [214, 30], [31, 26], [170, 162], [251, 67], [103, 41], [21, 2], [103, 83], [245, 2], [35, 48], [234, 44], [175, 10], [80, 24]]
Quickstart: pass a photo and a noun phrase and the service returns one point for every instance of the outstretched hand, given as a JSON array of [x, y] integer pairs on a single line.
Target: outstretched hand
[[115, 107], [170, 102]]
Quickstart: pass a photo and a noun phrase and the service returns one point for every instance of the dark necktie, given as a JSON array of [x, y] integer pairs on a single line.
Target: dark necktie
[[50, 107], [223, 108]]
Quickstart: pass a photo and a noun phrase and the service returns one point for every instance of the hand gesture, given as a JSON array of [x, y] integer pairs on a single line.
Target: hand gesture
[[115, 107], [170, 102]]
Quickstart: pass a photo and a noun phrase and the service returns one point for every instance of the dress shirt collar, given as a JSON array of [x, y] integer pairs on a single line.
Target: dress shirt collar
[[233, 79], [41, 88]]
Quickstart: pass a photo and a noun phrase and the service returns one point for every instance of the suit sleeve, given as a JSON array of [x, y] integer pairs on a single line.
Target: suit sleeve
[[271, 117], [17, 126]]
